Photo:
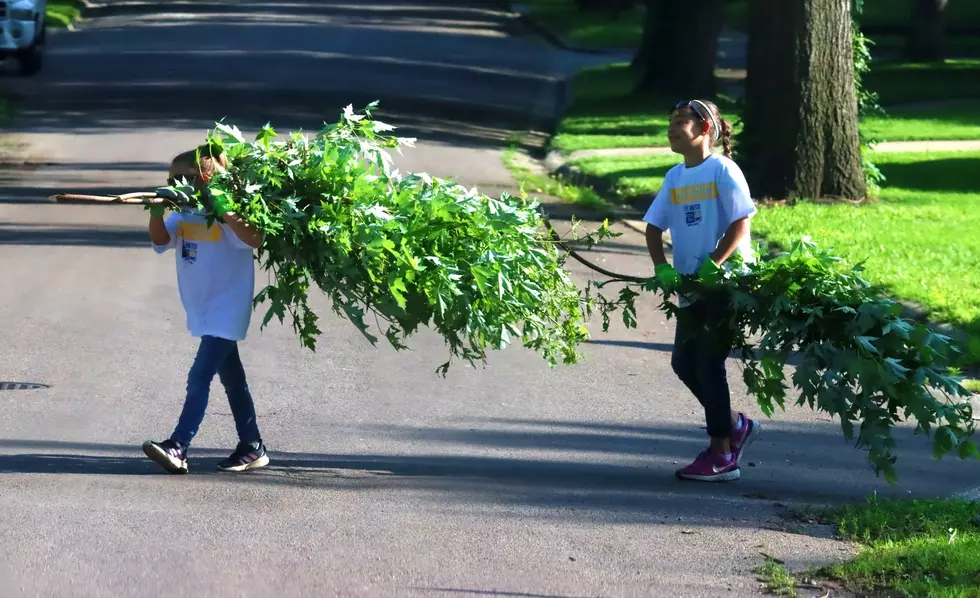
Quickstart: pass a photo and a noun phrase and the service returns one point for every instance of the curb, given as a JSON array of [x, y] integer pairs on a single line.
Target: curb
[[972, 494], [630, 214], [558, 166]]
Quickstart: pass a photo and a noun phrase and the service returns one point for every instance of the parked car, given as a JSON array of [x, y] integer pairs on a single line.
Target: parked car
[[22, 33]]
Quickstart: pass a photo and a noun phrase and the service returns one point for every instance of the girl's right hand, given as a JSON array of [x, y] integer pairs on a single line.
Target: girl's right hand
[[667, 276]]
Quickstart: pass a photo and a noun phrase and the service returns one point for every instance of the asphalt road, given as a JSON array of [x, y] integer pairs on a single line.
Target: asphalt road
[[386, 480]]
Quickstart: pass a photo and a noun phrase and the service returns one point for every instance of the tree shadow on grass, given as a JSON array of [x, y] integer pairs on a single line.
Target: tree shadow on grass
[[620, 180], [941, 174]]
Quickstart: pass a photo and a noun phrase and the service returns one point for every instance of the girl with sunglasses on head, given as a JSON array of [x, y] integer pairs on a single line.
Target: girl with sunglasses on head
[[216, 279], [705, 204]]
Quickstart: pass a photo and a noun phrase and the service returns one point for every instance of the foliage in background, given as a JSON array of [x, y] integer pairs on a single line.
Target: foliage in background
[[62, 13], [867, 100]]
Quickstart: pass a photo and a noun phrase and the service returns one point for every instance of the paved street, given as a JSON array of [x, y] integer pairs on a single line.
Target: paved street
[[386, 480]]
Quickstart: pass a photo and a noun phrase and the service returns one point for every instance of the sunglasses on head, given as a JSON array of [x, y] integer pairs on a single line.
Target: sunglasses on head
[[702, 111], [694, 106]]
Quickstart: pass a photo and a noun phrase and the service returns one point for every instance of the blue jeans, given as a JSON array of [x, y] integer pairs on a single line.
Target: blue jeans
[[217, 356]]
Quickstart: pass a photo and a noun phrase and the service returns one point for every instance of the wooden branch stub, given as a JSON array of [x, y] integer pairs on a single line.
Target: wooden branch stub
[[137, 198]]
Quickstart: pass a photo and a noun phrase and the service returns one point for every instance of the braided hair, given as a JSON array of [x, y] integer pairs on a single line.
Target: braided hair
[[725, 133]]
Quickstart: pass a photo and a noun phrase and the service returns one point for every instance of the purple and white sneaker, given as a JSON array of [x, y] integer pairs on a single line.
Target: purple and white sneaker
[[743, 437], [710, 467], [167, 454], [246, 456]]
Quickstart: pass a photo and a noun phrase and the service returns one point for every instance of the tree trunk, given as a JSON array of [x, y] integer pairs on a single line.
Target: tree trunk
[[926, 42], [800, 137], [679, 48], [648, 41]]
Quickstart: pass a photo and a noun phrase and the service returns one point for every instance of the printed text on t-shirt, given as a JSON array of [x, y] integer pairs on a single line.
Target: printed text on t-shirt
[[682, 195]]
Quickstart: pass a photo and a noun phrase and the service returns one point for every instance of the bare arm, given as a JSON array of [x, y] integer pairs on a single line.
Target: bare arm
[[245, 231], [655, 245], [733, 236], [158, 231]]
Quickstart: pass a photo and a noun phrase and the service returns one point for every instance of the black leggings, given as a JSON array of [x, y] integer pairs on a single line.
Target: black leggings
[[701, 346]]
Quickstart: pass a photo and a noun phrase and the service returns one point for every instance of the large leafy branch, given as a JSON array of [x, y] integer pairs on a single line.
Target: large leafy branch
[[401, 251], [414, 251]]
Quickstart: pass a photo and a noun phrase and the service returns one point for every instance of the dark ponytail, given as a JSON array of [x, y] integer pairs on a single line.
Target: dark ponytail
[[725, 135]]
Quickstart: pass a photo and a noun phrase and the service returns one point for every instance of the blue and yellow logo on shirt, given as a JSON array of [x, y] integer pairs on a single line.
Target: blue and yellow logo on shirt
[[188, 251], [692, 214], [193, 233]]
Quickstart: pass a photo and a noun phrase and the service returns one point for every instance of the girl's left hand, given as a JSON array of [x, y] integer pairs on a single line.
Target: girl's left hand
[[709, 273]]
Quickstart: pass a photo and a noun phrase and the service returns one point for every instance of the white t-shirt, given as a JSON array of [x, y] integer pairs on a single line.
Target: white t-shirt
[[215, 275], [698, 205]]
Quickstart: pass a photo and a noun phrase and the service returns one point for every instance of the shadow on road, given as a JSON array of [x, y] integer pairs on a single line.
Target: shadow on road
[[19, 169], [570, 469], [668, 347], [65, 234], [551, 488], [75, 464]]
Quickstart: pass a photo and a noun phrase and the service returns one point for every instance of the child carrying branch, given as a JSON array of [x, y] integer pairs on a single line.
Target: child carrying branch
[[705, 204], [216, 281]]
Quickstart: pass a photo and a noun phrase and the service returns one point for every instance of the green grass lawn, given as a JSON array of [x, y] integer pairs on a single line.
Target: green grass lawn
[[902, 82], [894, 45], [956, 119], [911, 548], [632, 176], [61, 13], [606, 114], [898, 12], [535, 184], [596, 30], [921, 240]]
